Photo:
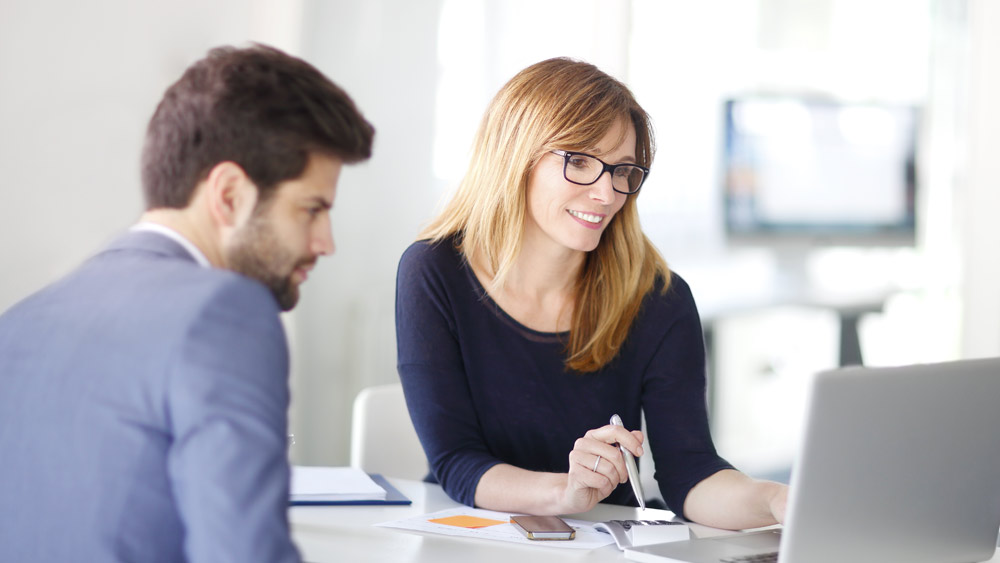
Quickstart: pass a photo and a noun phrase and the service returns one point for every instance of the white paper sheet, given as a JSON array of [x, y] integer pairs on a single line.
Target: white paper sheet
[[333, 483], [586, 536]]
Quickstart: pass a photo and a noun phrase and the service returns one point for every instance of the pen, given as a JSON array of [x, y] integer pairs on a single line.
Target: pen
[[633, 471]]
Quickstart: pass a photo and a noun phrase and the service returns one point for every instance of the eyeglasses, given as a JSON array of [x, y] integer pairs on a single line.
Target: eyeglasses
[[584, 169]]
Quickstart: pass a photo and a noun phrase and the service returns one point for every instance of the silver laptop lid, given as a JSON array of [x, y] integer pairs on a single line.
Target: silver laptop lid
[[898, 464]]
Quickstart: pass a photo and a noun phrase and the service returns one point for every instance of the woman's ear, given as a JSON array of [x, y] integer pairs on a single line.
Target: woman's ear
[[231, 194]]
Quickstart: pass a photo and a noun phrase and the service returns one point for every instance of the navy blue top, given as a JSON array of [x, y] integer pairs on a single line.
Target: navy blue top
[[483, 389]]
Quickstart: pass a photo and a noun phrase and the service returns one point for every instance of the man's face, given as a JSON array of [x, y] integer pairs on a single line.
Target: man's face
[[288, 232]]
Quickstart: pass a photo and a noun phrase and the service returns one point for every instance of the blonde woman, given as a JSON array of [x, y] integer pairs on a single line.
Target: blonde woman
[[533, 308]]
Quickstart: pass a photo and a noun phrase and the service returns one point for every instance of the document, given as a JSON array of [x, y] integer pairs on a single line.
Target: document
[[489, 525], [315, 484]]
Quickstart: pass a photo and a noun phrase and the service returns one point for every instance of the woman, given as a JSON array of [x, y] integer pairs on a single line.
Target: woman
[[533, 308]]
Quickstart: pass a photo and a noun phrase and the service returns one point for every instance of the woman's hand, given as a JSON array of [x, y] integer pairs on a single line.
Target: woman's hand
[[596, 466], [729, 499], [778, 503]]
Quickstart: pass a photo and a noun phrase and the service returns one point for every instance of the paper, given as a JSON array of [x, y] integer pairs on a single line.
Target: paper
[[586, 536], [333, 484]]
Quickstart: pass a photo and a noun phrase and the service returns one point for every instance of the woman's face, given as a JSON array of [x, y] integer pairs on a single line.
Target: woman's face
[[569, 215]]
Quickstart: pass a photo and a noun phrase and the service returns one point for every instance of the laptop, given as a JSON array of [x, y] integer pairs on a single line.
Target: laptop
[[896, 464]]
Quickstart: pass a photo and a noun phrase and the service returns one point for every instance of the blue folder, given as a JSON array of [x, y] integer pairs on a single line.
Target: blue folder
[[392, 496]]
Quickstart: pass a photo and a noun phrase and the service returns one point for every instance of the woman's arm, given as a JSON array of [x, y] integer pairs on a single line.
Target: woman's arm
[[731, 500], [589, 480], [694, 480], [674, 397], [432, 372]]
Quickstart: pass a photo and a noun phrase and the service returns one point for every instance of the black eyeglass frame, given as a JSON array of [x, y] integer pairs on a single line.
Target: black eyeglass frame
[[607, 168]]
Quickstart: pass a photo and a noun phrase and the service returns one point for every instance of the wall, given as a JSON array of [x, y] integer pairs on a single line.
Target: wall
[[384, 54], [980, 186], [78, 81]]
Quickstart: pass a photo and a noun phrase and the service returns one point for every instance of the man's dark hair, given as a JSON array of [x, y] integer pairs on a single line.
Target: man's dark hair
[[258, 107]]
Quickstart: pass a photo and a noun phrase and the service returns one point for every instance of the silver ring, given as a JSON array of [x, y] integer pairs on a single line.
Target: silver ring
[[596, 463]]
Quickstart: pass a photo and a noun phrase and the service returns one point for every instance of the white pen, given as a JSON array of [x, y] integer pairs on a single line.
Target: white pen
[[633, 471]]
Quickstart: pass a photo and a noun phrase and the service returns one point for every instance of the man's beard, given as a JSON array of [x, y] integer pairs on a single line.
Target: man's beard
[[257, 253]]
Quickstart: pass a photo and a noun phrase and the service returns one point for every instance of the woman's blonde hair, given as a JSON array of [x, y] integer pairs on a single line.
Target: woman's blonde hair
[[556, 104]]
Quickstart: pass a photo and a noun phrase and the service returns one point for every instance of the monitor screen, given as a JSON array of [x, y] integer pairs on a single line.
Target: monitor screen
[[820, 171]]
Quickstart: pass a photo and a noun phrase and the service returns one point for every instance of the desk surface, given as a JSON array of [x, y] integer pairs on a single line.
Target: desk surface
[[347, 533]]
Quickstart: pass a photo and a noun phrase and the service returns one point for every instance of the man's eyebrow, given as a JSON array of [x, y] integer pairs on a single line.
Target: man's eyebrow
[[321, 202]]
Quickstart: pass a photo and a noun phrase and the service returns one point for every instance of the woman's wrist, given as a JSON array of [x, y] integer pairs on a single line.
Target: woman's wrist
[[559, 495], [508, 488]]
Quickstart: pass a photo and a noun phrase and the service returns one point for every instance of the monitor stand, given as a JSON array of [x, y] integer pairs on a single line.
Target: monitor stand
[[794, 285]]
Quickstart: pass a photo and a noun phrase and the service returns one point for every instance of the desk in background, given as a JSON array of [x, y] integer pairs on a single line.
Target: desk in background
[[347, 533]]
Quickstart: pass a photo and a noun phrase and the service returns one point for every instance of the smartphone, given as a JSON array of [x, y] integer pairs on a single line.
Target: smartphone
[[543, 527]]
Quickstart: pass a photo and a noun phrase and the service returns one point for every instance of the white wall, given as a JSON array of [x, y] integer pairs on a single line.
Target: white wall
[[384, 54], [78, 81], [980, 186]]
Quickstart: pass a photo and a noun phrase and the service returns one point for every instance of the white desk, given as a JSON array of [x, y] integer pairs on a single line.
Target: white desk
[[346, 533]]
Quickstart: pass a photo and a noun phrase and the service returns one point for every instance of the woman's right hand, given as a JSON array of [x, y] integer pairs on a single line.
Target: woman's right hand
[[596, 466]]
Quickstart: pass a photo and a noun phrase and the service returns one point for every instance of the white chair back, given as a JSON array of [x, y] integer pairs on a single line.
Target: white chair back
[[382, 436]]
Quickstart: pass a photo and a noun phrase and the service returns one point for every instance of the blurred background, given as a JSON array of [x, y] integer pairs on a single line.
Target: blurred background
[[825, 176]]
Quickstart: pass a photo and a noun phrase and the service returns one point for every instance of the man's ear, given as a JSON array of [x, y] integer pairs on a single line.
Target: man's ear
[[231, 194]]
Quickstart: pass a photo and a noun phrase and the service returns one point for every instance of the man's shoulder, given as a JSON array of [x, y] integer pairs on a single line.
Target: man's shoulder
[[200, 300], [142, 293], [168, 276]]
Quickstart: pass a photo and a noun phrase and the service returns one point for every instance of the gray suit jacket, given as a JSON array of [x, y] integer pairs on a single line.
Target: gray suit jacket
[[143, 414]]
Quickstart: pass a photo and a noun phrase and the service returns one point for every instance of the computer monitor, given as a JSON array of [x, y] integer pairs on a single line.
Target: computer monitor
[[804, 171]]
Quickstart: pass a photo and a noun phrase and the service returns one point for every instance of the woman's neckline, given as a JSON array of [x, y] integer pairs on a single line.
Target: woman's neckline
[[489, 302]]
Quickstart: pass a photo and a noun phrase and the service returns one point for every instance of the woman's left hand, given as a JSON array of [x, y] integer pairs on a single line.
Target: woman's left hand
[[779, 503], [729, 499]]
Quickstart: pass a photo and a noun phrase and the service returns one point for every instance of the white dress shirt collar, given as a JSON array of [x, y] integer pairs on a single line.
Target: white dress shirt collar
[[173, 235]]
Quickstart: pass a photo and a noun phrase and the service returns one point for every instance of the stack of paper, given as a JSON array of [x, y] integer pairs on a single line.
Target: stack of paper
[[315, 484]]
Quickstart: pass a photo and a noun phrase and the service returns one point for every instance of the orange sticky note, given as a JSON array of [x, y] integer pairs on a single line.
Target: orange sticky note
[[466, 521]]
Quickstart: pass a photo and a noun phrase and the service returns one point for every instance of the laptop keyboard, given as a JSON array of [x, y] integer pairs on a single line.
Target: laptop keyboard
[[756, 558]]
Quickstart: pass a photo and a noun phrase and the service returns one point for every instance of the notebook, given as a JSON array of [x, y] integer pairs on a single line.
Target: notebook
[[341, 485], [896, 464]]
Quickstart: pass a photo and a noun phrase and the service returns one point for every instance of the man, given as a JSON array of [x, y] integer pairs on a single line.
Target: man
[[144, 397]]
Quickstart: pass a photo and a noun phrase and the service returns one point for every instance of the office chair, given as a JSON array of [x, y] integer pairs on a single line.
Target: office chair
[[382, 436]]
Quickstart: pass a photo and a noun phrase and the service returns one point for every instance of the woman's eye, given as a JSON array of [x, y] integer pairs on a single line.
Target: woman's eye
[[578, 162]]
